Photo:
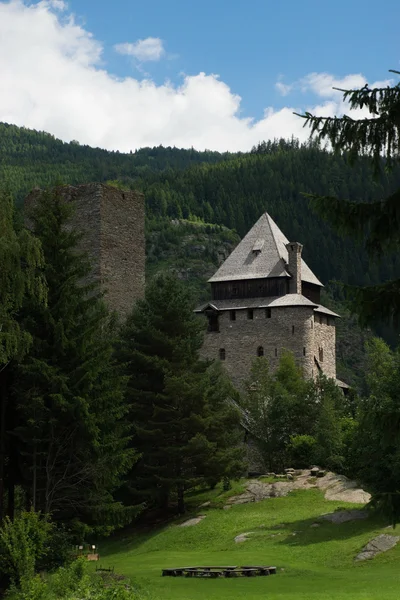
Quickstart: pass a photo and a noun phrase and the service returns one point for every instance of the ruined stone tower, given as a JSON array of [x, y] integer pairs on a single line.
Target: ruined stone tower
[[112, 224], [265, 299]]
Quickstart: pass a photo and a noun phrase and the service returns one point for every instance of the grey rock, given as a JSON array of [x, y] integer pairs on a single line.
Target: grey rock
[[342, 516], [381, 543], [243, 537], [193, 521]]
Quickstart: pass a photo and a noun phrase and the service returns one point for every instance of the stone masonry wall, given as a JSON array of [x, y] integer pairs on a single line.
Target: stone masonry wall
[[241, 338], [122, 248], [112, 224], [325, 338]]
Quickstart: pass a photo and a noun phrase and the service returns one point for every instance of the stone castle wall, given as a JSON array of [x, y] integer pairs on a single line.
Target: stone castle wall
[[112, 224], [241, 339], [122, 249], [325, 339]]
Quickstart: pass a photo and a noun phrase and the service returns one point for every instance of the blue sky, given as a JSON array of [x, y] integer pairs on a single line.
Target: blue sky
[[251, 44], [124, 74]]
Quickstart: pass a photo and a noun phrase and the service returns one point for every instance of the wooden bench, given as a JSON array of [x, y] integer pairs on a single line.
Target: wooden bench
[[219, 571]]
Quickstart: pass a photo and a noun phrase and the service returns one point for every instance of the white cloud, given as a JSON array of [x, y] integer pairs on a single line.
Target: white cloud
[[53, 79], [283, 88], [144, 50]]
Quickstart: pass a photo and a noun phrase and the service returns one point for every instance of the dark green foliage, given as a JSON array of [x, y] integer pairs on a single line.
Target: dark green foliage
[[293, 420], [302, 450], [69, 391], [184, 426], [21, 259], [374, 222], [376, 446]]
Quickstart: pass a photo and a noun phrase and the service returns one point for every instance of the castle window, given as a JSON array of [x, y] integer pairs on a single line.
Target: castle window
[[304, 351], [292, 329], [232, 315], [260, 351], [250, 313], [222, 354], [276, 351], [213, 323], [267, 313], [321, 354], [321, 320]]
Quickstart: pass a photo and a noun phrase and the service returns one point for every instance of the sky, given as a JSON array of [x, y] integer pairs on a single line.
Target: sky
[[216, 74]]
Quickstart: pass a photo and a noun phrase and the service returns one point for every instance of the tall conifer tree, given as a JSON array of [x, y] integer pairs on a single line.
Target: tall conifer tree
[[21, 260], [70, 390], [376, 224], [184, 425]]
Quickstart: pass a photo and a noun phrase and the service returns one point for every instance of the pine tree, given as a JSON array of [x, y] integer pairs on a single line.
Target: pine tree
[[21, 259], [69, 390], [376, 445], [376, 224], [185, 428]]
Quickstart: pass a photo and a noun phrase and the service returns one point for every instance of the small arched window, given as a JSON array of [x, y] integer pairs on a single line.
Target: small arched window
[[260, 351], [222, 354], [321, 354]]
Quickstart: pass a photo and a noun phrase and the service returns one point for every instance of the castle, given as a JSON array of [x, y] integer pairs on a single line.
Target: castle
[[265, 299], [111, 222]]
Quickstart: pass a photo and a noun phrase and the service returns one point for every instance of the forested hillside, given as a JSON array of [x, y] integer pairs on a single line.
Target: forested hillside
[[29, 158], [225, 189], [226, 192]]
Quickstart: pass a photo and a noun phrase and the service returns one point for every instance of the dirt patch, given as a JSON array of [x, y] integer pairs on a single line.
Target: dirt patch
[[193, 521], [335, 487], [381, 543]]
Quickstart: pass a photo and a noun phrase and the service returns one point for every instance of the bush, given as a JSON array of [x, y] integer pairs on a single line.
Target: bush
[[58, 550], [69, 579], [22, 544], [302, 450]]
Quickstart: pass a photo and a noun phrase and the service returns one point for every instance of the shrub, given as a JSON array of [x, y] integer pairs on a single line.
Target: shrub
[[302, 450], [22, 544]]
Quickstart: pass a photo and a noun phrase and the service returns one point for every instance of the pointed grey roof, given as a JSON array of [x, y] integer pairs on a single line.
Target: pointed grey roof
[[261, 253]]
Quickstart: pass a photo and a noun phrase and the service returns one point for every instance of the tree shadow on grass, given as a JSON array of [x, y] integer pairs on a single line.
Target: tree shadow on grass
[[305, 533]]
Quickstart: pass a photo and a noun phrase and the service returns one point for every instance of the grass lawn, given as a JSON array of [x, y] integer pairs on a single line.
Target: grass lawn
[[313, 562]]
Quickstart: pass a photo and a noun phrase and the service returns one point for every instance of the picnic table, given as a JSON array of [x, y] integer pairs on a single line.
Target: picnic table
[[219, 571]]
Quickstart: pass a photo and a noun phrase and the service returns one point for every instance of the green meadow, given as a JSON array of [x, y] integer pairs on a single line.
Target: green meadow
[[312, 562]]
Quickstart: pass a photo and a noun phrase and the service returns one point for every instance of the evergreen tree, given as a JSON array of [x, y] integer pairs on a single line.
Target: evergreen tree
[[376, 224], [184, 426], [20, 277], [376, 446], [69, 389]]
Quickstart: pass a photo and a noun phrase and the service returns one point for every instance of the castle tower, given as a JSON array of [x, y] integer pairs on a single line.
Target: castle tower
[[265, 300], [112, 224]]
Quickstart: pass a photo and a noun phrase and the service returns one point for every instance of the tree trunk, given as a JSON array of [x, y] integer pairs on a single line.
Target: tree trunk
[[3, 429], [181, 499]]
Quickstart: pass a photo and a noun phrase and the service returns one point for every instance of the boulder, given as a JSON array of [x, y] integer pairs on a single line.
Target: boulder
[[381, 543], [342, 516]]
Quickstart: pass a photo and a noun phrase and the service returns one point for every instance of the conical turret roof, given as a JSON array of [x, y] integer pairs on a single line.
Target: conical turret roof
[[261, 253]]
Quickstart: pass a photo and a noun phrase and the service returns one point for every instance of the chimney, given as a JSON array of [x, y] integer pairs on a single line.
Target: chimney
[[294, 266]]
